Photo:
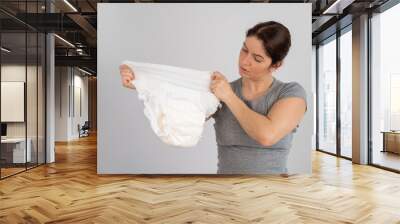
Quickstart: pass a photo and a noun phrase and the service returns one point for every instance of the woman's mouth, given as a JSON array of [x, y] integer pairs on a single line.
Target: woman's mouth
[[243, 70]]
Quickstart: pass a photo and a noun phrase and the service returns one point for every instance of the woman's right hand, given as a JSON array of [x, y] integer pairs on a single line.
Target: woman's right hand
[[127, 75]]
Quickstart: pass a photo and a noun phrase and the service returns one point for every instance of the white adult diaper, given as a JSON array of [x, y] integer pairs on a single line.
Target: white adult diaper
[[176, 100]]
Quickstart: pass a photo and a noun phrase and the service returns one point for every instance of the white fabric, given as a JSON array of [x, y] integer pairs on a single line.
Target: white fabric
[[176, 100]]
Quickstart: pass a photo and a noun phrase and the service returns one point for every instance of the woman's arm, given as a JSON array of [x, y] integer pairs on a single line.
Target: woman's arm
[[268, 129]]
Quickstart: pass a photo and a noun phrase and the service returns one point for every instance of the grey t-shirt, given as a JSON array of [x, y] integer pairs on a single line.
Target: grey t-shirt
[[240, 154]]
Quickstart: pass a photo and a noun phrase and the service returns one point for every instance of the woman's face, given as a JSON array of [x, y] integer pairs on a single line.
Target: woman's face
[[253, 62]]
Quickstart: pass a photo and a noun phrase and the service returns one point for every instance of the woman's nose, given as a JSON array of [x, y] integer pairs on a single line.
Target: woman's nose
[[246, 61]]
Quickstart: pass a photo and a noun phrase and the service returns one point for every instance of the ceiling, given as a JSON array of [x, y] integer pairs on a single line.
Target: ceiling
[[76, 22]]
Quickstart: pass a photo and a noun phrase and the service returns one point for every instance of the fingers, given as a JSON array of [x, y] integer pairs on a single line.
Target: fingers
[[128, 75], [126, 71], [212, 89], [126, 82], [217, 76], [124, 66], [214, 85], [218, 81]]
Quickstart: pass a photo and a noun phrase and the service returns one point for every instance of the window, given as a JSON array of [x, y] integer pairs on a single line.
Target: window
[[385, 89], [346, 93], [327, 96], [22, 77]]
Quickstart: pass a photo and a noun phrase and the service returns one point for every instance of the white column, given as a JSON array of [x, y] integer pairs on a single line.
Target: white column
[[50, 91], [50, 81], [360, 90]]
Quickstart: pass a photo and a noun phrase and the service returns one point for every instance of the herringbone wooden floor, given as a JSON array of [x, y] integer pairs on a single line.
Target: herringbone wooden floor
[[70, 191]]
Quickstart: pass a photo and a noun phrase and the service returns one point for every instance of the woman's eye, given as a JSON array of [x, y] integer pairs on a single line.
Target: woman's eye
[[244, 50]]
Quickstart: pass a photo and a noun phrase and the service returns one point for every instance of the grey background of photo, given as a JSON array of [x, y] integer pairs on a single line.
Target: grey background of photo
[[200, 36]]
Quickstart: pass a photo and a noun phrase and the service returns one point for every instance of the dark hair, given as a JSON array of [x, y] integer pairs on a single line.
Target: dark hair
[[275, 38]]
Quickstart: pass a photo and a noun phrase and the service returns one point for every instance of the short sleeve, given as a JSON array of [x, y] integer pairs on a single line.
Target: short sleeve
[[293, 89]]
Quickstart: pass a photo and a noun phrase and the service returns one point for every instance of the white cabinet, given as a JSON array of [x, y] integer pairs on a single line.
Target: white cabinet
[[18, 149]]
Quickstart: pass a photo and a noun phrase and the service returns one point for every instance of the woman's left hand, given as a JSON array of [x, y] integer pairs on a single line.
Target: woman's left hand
[[221, 87]]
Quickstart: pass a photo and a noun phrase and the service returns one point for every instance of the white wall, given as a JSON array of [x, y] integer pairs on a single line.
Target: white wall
[[80, 83], [67, 80], [197, 36], [61, 103]]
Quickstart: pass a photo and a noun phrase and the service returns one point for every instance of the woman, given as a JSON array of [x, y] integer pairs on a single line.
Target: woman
[[259, 114], [255, 126]]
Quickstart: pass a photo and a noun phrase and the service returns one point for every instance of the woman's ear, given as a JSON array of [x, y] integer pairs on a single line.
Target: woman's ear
[[275, 66]]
